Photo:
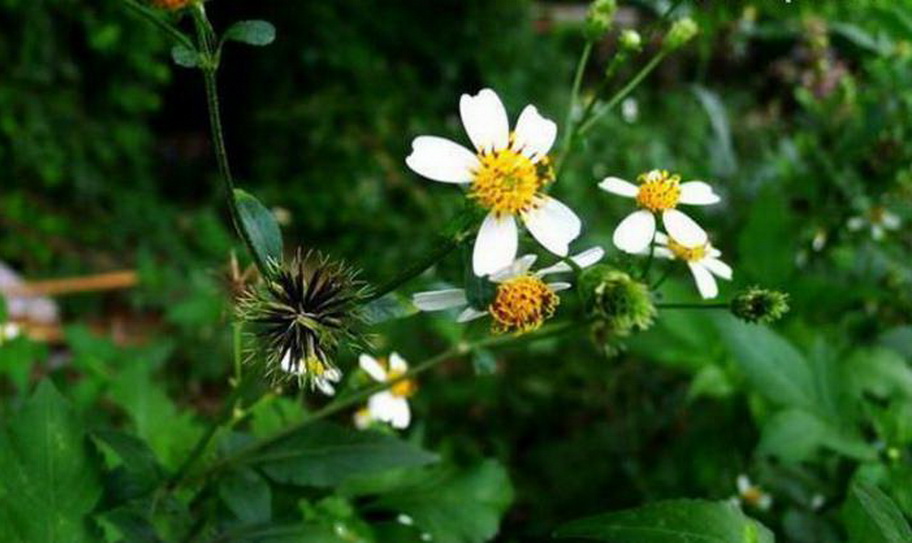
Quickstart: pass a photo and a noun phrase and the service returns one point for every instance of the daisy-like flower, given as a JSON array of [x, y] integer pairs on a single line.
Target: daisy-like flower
[[506, 174], [320, 373], [522, 301], [703, 261], [659, 192], [752, 495], [391, 405], [878, 219]]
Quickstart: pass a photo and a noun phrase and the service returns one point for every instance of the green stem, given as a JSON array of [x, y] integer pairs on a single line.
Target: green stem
[[574, 95], [621, 94], [238, 353], [155, 18], [437, 254], [719, 305], [648, 266]]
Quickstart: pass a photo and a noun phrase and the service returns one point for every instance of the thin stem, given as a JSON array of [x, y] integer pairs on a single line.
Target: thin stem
[[621, 94], [718, 305], [648, 265], [437, 254], [238, 354], [156, 19], [574, 96]]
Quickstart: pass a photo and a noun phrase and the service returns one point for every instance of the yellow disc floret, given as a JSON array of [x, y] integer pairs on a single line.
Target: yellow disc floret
[[658, 190], [507, 182], [688, 254], [315, 367], [522, 304], [405, 388]]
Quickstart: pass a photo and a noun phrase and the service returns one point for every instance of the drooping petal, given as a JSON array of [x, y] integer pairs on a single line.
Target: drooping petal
[[437, 300], [333, 375], [519, 267], [485, 120], [325, 386], [470, 314], [496, 244], [584, 259], [553, 224], [534, 135], [698, 193], [440, 159], [285, 363], [372, 367], [717, 267], [400, 414], [706, 283], [683, 229], [397, 363], [635, 232], [616, 185], [381, 406], [559, 286]]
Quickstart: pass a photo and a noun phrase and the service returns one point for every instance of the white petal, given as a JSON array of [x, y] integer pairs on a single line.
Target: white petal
[[661, 238], [325, 387], [553, 224], [559, 286], [380, 405], [333, 375], [496, 244], [662, 252], [442, 160], [437, 300], [706, 283], [744, 484], [397, 363], [616, 185], [855, 224], [373, 368], [519, 267], [362, 419], [635, 232], [683, 229], [714, 253], [485, 120], [890, 221], [718, 267], [285, 364], [584, 259], [534, 134], [401, 414], [470, 314], [698, 193]]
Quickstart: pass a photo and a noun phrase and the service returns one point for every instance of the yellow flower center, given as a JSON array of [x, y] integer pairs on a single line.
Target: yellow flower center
[[507, 182], [522, 304], [752, 496], [659, 190], [405, 388], [688, 254], [315, 367]]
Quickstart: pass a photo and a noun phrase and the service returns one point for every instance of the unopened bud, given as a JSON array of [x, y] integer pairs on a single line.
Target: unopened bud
[[599, 18], [631, 41], [682, 31]]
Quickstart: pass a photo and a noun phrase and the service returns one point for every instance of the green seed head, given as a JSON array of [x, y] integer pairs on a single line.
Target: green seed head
[[758, 305]]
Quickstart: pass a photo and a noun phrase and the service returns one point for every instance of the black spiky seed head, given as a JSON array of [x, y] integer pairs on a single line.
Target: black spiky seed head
[[302, 314]]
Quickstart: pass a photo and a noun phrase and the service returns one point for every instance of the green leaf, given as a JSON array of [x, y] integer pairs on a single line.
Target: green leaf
[[872, 517], [899, 339], [766, 245], [139, 470], [324, 454], [251, 32], [388, 307], [771, 364], [49, 478], [132, 526], [881, 372], [675, 521], [260, 227], [184, 57], [247, 495], [454, 506], [722, 153], [480, 291], [793, 436]]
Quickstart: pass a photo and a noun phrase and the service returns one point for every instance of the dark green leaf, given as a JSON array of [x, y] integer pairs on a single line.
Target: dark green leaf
[[139, 469], [251, 32], [484, 362], [132, 526], [184, 57], [391, 306], [872, 517], [247, 495], [675, 521], [260, 226], [324, 454]]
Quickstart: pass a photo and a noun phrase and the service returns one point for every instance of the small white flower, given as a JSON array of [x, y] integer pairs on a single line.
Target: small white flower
[[630, 110], [878, 219], [659, 192], [752, 495], [319, 373], [9, 331], [703, 261], [390, 405], [523, 300], [506, 174]]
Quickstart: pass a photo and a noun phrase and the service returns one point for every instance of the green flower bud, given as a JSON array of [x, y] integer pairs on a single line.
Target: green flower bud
[[622, 302], [599, 18], [760, 305], [682, 31], [630, 40]]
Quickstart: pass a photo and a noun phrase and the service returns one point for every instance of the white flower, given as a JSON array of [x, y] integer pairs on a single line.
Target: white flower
[[703, 261], [9, 331], [659, 192], [506, 174], [752, 495], [879, 219], [321, 374], [523, 300], [390, 405]]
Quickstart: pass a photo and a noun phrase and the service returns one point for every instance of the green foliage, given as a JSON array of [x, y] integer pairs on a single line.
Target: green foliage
[[260, 228], [872, 517], [251, 32]]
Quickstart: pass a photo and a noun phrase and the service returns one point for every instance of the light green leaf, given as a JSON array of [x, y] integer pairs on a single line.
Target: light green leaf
[[794, 435], [872, 517], [49, 479], [881, 372], [675, 521], [184, 57], [454, 506], [260, 227], [324, 454], [251, 32], [766, 241]]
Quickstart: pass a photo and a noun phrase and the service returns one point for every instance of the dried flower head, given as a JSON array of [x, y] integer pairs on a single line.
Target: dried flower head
[[302, 314], [759, 305]]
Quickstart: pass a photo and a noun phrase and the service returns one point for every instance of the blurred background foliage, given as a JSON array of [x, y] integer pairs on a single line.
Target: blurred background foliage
[[799, 113]]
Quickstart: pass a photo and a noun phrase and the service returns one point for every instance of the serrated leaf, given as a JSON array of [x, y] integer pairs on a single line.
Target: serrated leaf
[[184, 57], [872, 517], [251, 32], [260, 226], [674, 521], [49, 478], [324, 454]]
